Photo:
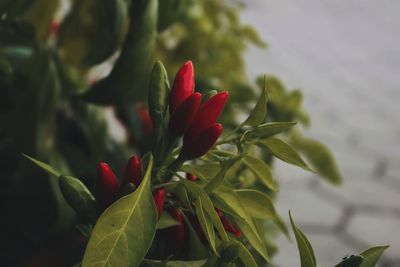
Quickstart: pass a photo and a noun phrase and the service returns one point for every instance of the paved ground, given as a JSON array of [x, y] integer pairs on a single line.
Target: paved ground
[[345, 55]]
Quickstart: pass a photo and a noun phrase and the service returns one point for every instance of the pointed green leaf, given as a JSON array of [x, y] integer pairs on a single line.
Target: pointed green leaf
[[372, 255], [269, 129], [124, 232], [245, 257], [319, 157], [206, 225], [307, 257], [260, 206], [261, 170], [259, 112], [46, 167], [284, 151], [206, 170]]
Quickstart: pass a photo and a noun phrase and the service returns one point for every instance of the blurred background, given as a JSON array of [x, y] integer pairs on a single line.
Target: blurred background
[[345, 58]]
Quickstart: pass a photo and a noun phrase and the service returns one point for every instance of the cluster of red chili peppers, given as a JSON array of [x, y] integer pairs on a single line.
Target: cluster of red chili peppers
[[197, 123]]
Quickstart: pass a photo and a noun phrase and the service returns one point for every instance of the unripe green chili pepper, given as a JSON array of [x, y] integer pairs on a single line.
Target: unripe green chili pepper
[[158, 93], [78, 197]]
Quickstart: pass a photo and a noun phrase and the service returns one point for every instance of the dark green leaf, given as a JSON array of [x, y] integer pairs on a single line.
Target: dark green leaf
[[307, 257], [43, 165], [166, 221], [261, 170], [124, 232], [372, 255]]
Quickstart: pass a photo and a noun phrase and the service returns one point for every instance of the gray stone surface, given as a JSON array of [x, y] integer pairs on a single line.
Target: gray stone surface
[[345, 56]]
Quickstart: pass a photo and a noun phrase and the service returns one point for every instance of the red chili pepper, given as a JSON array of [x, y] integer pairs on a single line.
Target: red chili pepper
[[107, 185], [184, 114], [159, 197], [204, 131], [178, 231], [183, 86], [133, 171], [228, 226], [54, 28], [191, 177], [194, 147], [145, 119]]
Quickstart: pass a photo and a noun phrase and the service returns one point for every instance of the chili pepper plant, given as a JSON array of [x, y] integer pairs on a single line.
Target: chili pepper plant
[[191, 181]]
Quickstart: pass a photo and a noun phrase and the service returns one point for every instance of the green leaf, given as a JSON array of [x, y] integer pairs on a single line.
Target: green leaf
[[284, 151], [352, 261], [319, 157], [124, 232], [269, 129], [260, 206], [198, 192], [231, 201], [218, 179], [245, 257], [156, 263], [166, 221], [206, 170], [46, 167], [372, 255], [261, 170], [206, 225], [259, 112], [307, 257]]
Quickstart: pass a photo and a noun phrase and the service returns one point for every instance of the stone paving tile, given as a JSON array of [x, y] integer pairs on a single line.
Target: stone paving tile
[[375, 230], [346, 59]]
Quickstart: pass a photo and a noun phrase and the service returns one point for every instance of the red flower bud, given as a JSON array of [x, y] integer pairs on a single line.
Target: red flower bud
[[107, 185], [159, 197], [191, 177], [177, 231], [145, 119], [133, 172], [183, 116], [198, 146], [207, 114], [183, 86]]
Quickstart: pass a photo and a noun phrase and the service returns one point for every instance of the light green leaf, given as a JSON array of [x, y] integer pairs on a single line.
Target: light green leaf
[[124, 232], [284, 151], [307, 257], [218, 179], [259, 112], [46, 167], [260, 206], [206, 170], [319, 157], [261, 170], [206, 224], [269, 129], [372, 255], [245, 257], [166, 221]]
